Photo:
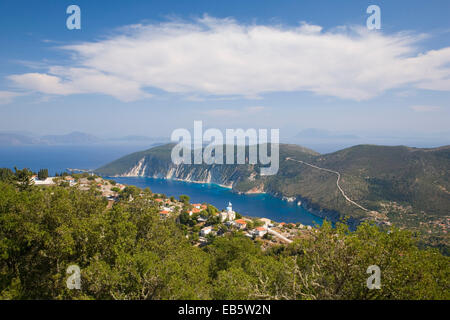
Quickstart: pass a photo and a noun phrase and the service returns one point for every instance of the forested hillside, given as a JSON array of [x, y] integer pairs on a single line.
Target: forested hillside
[[126, 251]]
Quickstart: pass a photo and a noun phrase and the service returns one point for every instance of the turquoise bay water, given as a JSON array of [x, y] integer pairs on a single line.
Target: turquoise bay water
[[255, 205], [58, 158]]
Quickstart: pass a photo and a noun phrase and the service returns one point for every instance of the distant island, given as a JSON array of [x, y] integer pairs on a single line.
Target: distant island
[[73, 138]]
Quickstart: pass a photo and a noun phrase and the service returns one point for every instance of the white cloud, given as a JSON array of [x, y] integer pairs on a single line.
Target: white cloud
[[255, 109], [65, 81], [221, 112], [221, 57], [7, 96], [425, 108]]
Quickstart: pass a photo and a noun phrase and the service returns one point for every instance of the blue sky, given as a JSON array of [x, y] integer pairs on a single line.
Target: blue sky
[[149, 67]]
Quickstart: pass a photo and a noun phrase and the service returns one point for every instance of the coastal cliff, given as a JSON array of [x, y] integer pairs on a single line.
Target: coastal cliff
[[225, 176]]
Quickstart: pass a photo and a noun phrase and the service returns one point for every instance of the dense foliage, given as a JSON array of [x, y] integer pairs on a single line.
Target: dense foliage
[[128, 252]]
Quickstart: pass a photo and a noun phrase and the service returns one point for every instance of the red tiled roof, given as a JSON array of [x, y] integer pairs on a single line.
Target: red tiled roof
[[261, 229], [164, 212], [241, 221], [158, 200]]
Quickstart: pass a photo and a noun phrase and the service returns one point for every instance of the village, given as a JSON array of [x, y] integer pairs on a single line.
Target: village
[[201, 222], [204, 222]]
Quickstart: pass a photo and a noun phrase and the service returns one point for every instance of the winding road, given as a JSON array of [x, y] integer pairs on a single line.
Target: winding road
[[337, 181]]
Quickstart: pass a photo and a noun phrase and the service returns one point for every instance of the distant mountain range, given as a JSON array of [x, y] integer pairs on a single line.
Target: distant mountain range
[[402, 185], [313, 133], [14, 139], [326, 141], [73, 138]]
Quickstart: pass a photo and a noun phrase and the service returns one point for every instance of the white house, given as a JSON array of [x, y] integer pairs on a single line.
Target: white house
[[259, 232], [48, 181], [240, 224], [70, 180], [205, 231]]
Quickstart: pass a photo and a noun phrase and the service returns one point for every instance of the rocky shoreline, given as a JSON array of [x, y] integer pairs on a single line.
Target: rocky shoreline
[[331, 215]]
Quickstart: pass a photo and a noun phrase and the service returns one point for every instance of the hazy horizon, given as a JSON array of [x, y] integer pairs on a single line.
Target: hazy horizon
[[322, 141]]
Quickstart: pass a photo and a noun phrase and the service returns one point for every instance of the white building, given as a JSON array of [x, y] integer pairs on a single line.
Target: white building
[[228, 215], [240, 224], [70, 180], [205, 231], [259, 232], [48, 181]]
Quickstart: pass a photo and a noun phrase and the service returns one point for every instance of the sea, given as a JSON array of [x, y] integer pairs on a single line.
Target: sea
[[60, 158]]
